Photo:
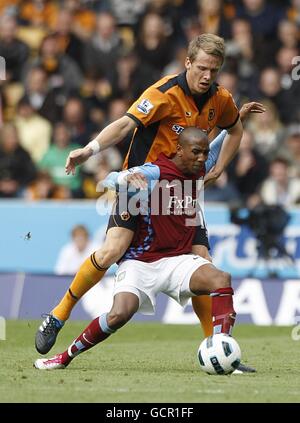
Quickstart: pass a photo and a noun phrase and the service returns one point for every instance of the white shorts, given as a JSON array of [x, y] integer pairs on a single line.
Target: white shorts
[[170, 275]]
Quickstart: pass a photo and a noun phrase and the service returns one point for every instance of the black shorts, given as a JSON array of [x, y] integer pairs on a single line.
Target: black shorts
[[120, 217], [201, 237]]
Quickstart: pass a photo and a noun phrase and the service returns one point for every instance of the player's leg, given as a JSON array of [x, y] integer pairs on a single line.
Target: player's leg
[[208, 279], [202, 304], [208, 306], [121, 228], [124, 307], [91, 271]]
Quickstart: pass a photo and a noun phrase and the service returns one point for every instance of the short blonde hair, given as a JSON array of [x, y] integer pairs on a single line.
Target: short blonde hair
[[209, 43]]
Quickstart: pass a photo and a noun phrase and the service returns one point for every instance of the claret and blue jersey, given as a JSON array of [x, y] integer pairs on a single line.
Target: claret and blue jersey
[[168, 226]]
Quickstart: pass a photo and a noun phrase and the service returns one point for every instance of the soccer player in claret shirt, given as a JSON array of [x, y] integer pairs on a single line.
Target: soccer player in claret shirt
[[159, 258], [191, 98]]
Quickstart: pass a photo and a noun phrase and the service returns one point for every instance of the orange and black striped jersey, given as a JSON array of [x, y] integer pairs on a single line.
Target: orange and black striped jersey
[[166, 108]]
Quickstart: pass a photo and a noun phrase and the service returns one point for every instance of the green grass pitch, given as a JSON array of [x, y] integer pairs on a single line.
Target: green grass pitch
[[149, 362]]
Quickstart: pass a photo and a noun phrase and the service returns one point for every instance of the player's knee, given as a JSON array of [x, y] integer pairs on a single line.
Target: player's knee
[[109, 255], [117, 318], [223, 280]]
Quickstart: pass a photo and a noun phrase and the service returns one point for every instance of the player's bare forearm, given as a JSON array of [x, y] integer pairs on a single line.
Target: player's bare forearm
[[109, 136], [115, 132], [229, 149]]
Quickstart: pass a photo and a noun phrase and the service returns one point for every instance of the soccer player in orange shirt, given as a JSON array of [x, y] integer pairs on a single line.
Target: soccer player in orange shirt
[[191, 98]]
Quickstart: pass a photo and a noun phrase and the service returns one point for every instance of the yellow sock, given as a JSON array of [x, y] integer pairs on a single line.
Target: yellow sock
[[87, 276], [202, 307]]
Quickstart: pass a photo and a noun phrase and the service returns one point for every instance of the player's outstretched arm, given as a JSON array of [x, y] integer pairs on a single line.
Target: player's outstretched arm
[[228, 151], [139, 177], [231, 145], [109, 136]]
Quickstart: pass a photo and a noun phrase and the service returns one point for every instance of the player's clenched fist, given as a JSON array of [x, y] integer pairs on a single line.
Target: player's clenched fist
[[77, 157]]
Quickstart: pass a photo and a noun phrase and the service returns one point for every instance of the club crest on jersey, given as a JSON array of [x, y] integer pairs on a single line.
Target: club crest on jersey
[[125, 216], [211, 114], [178, 129], [145, 106]]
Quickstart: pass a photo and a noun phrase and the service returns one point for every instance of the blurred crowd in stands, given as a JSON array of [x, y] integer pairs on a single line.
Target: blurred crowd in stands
[[73, 66]]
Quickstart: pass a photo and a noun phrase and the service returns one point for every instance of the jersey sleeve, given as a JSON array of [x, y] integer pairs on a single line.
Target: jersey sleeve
[[152, 106], [229, 113], [117, 180], [214, 150]]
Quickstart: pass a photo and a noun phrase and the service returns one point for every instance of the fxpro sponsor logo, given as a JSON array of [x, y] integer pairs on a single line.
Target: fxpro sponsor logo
[[167, 198]]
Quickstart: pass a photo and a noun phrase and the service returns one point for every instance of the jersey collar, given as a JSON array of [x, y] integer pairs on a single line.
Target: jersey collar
[[200, 99]]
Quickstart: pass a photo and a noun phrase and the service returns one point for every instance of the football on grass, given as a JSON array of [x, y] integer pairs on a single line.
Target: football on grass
[[219, 354]]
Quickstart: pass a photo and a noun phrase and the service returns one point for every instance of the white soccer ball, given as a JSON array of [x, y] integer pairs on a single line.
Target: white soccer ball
[[219, 354]]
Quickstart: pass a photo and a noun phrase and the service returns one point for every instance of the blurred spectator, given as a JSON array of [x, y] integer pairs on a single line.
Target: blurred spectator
[[230, 81], [267, 130], [177, 65], [84, 19], [62, 71], [293, 12], [153, 45], [72, 254], [43, 188], [240, 53], [9, 7], [291, 149], [131, 76], [16, 167], [248, 169], [76, 119], [105, 164], [97, 94], [288, 34], [42, 98], [270, 87], [101, 51], [223, 190], [190, 29], [55, 158], [34, 131], [68, 42], [14, 51], [279, 188], [284, 60], [212, 19], [126, 12], [263, 17], [40, 13]]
